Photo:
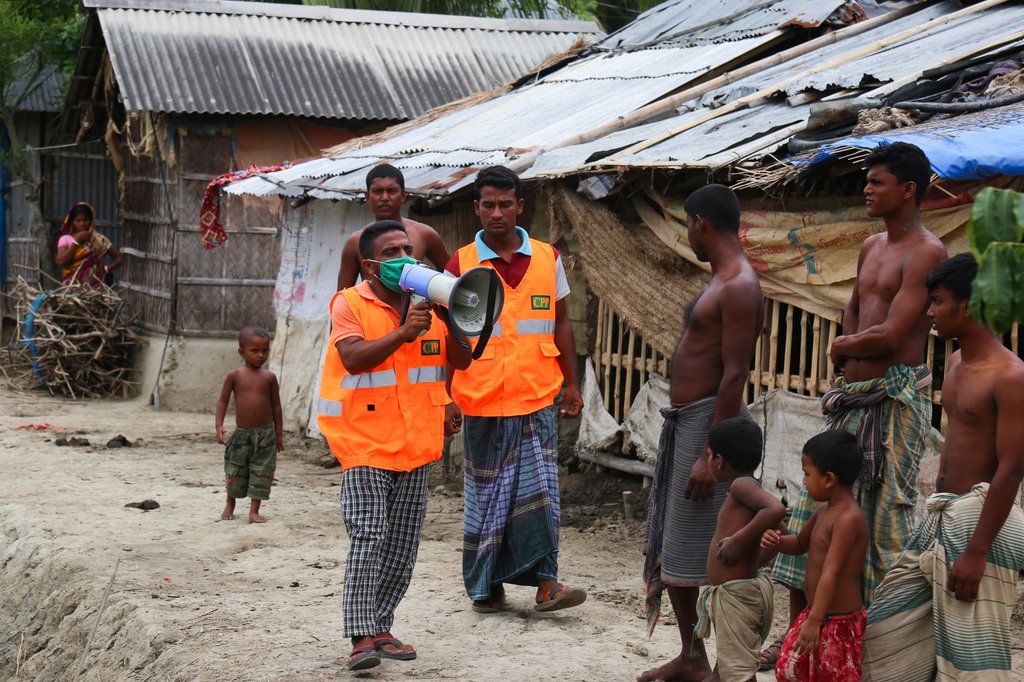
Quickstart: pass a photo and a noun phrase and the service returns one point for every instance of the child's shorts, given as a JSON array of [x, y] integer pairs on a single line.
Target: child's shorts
[[250, 458]]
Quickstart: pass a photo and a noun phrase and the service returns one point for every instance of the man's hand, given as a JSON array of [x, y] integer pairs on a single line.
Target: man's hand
[[572, 403], [417, 321], [729, 551], [770, 538], [701, 485], [807, 638], [965, 575], [452, 419], [836, 353], [221, 431]]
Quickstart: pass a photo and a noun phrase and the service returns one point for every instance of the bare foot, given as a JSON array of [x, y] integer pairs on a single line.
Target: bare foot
[[256, 518], [226, 516], [678, 668]]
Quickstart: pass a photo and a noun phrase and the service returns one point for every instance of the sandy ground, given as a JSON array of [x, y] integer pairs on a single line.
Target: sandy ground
[[196, 599]]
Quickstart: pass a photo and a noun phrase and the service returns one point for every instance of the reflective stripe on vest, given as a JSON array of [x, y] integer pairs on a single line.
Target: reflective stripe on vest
[[379, 379], [535, 326], [423, 375], [328, 408], [496, 331]]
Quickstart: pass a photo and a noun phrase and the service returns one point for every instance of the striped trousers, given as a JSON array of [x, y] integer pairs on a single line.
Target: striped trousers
[[383, 512]]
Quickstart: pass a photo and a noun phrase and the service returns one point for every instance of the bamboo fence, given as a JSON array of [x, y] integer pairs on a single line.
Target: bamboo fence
[[791, 353]]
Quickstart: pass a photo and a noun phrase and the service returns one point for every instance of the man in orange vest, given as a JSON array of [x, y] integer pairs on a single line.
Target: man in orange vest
[[384, 411], [511, 476]]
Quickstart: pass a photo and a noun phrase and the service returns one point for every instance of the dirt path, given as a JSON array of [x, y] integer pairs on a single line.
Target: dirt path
[[195, 599]]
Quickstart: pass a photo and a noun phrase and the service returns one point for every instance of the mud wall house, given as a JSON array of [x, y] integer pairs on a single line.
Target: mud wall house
[[183, 91], [674, 101]]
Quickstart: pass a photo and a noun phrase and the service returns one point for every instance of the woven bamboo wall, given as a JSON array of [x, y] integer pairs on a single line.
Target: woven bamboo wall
[[168, 279], [147, 278], [227, 288], [791, 353]]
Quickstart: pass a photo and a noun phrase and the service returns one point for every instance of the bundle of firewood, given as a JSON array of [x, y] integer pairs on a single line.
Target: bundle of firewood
[[75, 340]]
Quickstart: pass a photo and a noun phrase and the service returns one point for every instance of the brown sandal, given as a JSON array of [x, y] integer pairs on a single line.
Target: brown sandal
[[561, 597], [770, 656]]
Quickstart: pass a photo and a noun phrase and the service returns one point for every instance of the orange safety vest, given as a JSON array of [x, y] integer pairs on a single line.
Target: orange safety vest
[[391, 417], [518, 372]]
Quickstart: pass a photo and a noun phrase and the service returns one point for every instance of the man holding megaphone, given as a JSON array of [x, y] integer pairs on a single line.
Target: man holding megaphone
[[512, 508], [383, 407]]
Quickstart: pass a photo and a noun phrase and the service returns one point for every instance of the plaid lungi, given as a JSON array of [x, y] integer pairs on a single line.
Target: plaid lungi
[[894, 429], [512, 507], [383, 512]]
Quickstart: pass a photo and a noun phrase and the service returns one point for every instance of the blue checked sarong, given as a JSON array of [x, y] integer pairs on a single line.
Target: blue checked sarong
[[512, 510]]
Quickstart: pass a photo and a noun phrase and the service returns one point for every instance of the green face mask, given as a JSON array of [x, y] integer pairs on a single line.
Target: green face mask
[[391, 271]]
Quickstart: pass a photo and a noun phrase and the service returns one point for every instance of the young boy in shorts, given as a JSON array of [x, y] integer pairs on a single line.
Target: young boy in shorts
[[739, 601], [250, 455], [825, 640]]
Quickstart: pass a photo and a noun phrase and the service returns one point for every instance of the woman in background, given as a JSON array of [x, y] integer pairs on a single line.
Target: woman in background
[[82, 251]]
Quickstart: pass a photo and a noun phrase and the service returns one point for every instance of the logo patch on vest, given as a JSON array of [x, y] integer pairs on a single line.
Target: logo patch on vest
[[540, 302], [430, 347]]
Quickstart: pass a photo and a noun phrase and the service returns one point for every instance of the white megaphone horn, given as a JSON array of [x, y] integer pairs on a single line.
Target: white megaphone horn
[[468, 298]]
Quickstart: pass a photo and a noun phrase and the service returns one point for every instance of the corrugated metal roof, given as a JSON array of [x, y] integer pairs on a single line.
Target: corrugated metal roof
[[913, 55], [443, 155], [579, 97], [45, 88], [259, 58], [682, 21]]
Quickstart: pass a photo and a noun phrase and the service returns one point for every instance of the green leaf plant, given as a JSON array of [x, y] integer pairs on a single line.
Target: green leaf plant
[[994, 233]]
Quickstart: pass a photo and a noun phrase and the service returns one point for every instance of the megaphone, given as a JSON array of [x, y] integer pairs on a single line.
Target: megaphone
[[474, 300]]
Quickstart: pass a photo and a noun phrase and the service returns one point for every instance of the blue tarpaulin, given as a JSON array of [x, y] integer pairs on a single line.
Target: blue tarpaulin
[[968, 147]]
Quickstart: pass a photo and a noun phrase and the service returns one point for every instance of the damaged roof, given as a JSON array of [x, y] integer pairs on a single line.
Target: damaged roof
[[226, 57], [748, 116]]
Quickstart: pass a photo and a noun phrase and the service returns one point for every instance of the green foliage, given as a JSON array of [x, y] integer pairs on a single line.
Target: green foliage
[[33, 35], [994, 232]]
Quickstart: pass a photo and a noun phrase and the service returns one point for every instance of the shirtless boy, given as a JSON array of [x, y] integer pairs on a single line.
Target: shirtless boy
[[385, 193], [943, 611], [824, 642], [250, 455], [739, 601]]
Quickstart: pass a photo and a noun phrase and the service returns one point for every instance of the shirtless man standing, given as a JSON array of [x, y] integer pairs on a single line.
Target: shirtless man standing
[[710, 365], [385, 192], [883, 391], [945, 606]]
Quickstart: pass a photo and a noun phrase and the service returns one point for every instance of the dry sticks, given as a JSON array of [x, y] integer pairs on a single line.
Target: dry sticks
[[75, 340]]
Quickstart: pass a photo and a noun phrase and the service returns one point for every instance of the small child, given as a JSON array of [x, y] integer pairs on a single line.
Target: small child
[[824, 642], [250, 455], [739, 602]]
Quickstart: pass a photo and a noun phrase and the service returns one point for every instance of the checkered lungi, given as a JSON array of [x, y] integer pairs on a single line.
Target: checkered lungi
[[383, 512]]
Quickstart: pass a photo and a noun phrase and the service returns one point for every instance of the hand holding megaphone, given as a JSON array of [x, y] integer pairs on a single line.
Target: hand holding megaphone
[[473, 301], [417, 321]]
